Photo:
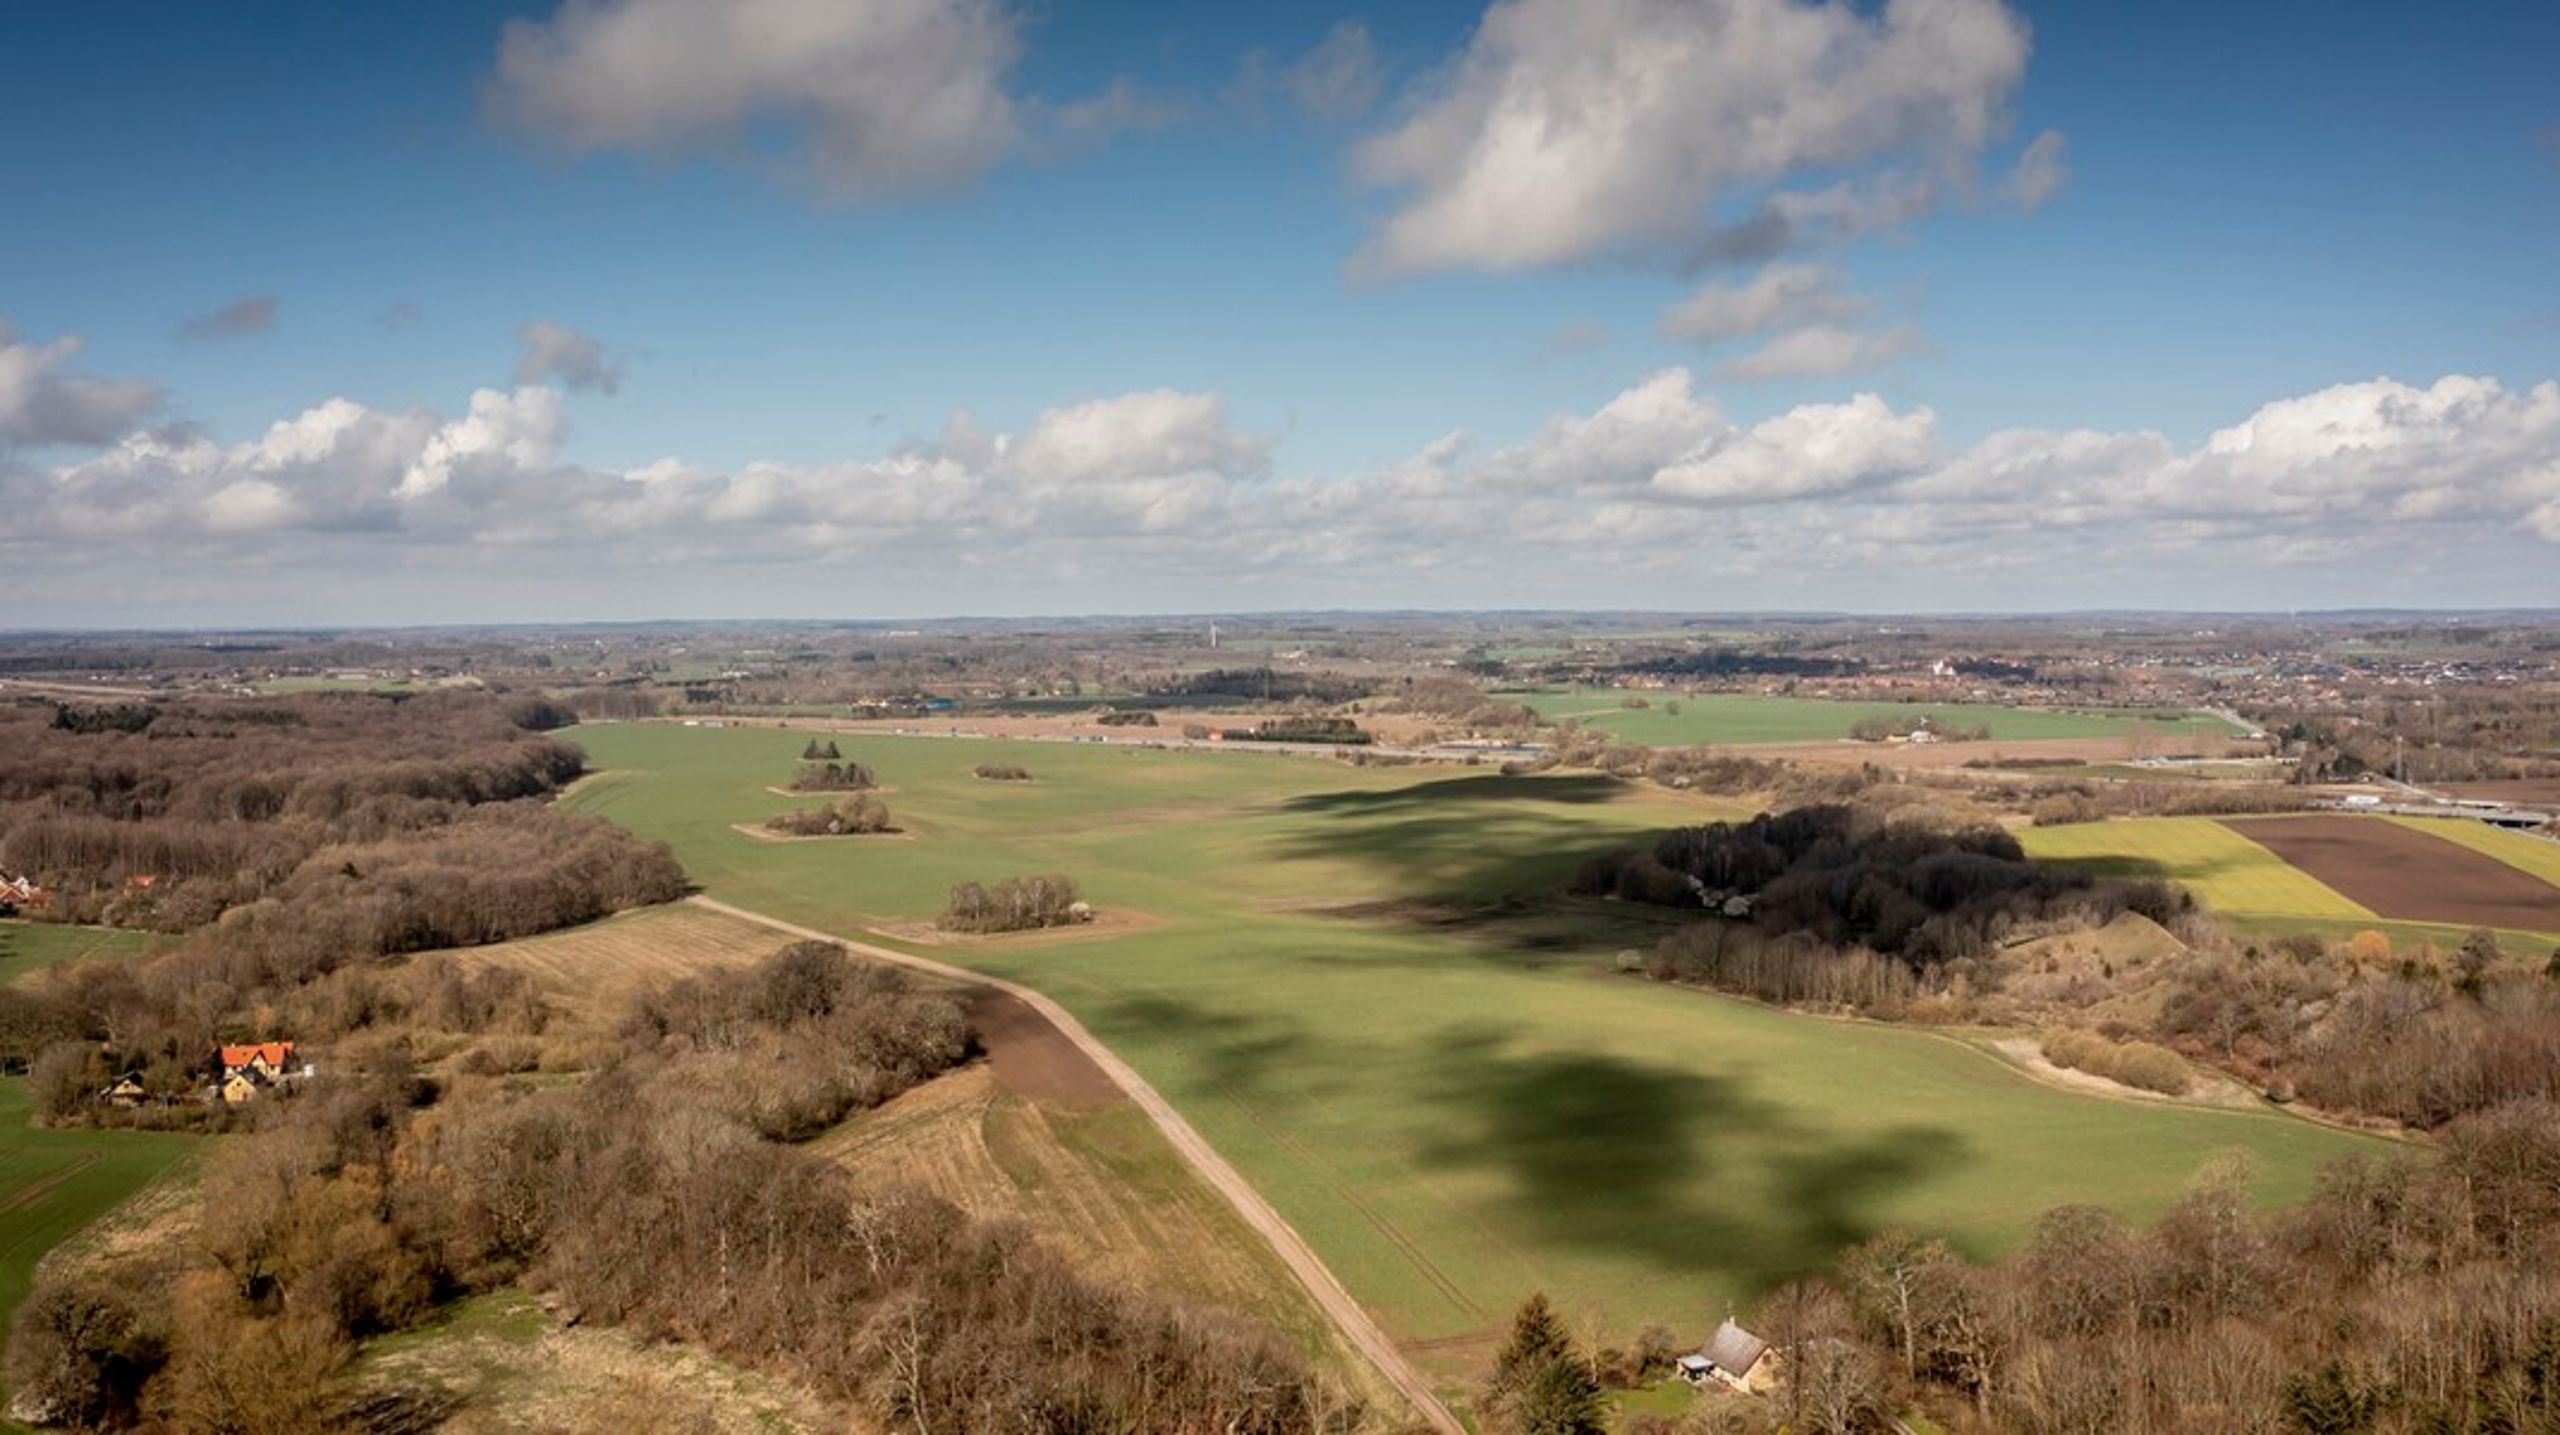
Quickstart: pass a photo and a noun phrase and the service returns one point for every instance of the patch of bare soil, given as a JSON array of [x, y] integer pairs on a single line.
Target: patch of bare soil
[[1119, 921], [2210, 1089], [1031, 1057], [2403, 873]]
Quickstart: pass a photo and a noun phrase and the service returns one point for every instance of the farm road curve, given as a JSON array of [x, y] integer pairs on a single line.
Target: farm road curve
[[1292, 1248]]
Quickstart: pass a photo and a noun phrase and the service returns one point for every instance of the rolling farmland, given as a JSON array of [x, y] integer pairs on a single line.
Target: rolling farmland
[[1749, 718], [2224, 869], [1035, 1135], [2411, 873], [2254, 889], [1456, 1103]]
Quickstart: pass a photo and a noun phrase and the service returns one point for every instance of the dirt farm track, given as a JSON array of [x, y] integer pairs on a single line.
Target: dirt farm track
[[1055, 1071], [2408, 875]]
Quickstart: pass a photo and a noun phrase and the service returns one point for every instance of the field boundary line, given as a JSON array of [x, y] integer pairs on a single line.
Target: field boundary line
[[46, 1184], [1327, 1290]]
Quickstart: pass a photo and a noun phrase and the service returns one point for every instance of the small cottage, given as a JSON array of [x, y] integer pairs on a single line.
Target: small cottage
[[248, 1070], [1731, 1357]]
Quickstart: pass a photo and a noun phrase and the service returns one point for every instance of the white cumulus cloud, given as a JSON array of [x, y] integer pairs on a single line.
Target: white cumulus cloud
[[879, 97], [1805, 452], [1573, 127], [1654, 494]]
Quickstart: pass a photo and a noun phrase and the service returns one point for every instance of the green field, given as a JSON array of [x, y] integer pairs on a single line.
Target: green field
[[2257, 892], [2536, 855], [29, 946], [1737, 718], [1455, 1106], [52, 1183], [2227, 872]]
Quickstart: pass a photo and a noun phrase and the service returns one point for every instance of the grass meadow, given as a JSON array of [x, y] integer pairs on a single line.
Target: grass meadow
[[52, 1183], [2527, 854], [1457, 1099], [1743, 718], [27, 947]]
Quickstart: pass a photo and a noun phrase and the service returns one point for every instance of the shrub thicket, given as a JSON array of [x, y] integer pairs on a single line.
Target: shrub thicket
[[2139, 1064], [1016, 904], [850, 815], [832, 776]]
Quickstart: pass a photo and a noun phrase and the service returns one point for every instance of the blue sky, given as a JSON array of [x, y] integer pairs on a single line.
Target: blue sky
[[2254, 206]]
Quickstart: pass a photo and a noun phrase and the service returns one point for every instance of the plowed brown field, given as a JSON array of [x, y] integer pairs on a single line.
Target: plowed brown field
[[2408, 875]]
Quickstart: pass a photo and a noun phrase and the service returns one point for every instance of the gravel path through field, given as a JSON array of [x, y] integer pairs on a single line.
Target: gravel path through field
[[1293, 1250]]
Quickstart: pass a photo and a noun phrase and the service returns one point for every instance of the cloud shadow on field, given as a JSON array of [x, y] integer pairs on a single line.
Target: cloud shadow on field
[[1654, 1163], [1488, 844], [1486, 860], [1572, 788], [1236, 1054]]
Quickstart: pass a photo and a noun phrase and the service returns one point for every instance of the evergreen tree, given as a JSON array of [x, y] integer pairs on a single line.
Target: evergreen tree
[[1564, 1399], [1541, 1385], [1537, 1340]]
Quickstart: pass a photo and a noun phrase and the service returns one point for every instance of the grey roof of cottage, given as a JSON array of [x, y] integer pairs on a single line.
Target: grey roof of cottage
[[1735, 1350]]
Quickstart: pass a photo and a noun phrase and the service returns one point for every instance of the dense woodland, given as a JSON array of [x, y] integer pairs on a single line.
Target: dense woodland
[[2454, 734], [660, 1193], [1844, 877], [289, 841]]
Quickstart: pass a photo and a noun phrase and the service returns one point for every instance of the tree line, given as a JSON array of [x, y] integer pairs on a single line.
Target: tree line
[[212, 805]]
